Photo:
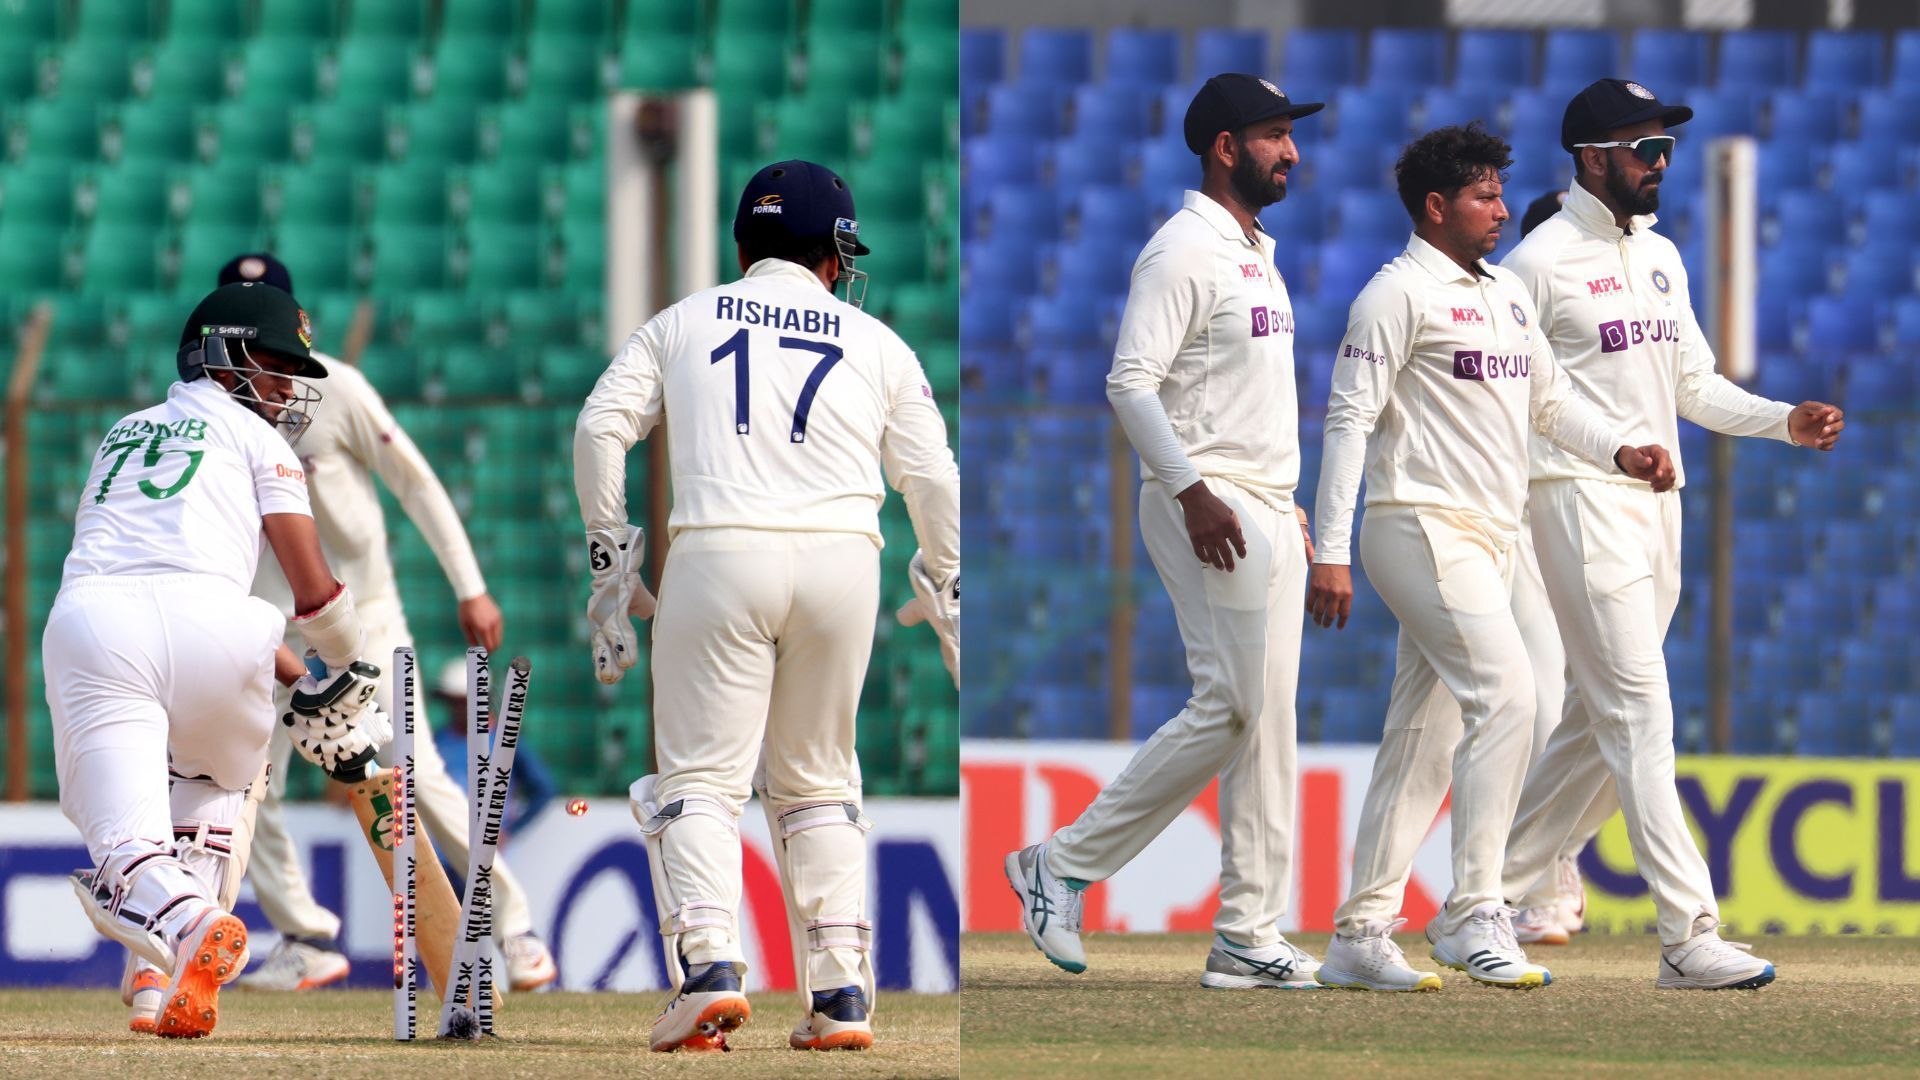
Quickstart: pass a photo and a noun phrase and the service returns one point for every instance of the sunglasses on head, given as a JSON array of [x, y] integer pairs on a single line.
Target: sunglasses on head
[[1648, 148]]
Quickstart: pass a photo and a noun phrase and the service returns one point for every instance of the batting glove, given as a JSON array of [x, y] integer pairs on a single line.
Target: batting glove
[[619, 596], [937, 603], [335, 722]]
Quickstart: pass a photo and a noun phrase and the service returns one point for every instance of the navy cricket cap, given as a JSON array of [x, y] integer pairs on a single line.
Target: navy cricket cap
[[798, 200], [256, 315], [260, 267], [1232, 101], [1607, 104]]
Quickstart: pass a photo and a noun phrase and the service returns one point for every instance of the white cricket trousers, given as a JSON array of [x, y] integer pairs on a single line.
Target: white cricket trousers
[[143, 670], [764, 636], [1610, 556], [280, 885], [1448, 579], [1242, 634]]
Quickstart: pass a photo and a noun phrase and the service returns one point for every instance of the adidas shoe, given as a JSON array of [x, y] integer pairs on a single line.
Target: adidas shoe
[[1370, 960], [838, 1021], [1573, 894], [1279, 966], [142, 988], [1540, 926], [708, 1006], [1705, 962], [1049, 907], [212, 952], [1488, 951]]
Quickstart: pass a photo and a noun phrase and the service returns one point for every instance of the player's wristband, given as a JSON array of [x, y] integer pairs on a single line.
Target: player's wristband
[[333, 630]]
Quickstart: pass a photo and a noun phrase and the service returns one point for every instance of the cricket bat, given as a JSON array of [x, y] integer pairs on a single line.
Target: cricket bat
[[436, 912]]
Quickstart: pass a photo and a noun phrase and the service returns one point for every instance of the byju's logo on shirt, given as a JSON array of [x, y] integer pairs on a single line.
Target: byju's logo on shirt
[[1622, 334], [1268, 320], [1479, 367]]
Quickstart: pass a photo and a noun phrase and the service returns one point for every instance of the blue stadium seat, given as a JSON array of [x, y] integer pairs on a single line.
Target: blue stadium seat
[[1755, 729], [1891, 115], [1372, 217], [1798, 212], [1876, 666], [1837, 607], [1052, 54], [1669, 61], [1573, 58], [1109, 112], [1896, 610], [1905, 723], [1167, 167], [1856, 167], [1816, 115], [1345, 268], [1770, 548], [1844, 60], [983, 53], [1862, 549], [1492, 60], [1142, 57], [1881, 387], [1459, 104], [1024, 109], [1091, 265], [1068, 713], [1301, 219], [1119, 212], [1906, 323], [1759, 59], [1406, 58], [1778, 666], [1906, 60], [1317, 62], [1883, 270], [1792, 162], [1786, 376], [1155, 704], [1345, 163], [1020, 210], [1170, 105], [1008, 262], [1721, 111], [1353, 716], [1833, 726], [1374, 114], [998, 159], [1842, 322], [1534, 125], [1218, 49]]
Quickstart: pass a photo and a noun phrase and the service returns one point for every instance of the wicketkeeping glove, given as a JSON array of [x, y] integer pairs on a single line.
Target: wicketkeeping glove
[[615, 557], [336, 723], [937, 603]]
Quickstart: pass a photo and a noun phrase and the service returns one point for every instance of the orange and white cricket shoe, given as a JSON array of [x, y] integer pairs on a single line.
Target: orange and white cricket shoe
[[838, 1022], [212, 952], [708, 1007], [142, 988], [1540, 926], [529, 963]]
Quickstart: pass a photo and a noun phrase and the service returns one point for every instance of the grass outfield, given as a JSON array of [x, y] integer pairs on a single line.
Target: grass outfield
[[348, 1033], [1139, 1011]]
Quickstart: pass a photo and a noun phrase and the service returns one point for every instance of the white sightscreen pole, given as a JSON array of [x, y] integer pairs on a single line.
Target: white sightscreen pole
[[632, 190], [697, 192], [1731, 216]]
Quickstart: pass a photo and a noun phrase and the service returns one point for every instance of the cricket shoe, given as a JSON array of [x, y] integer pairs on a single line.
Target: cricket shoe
[[1279, 966], [838, 1022], [212, 952], [1541, 926], [708, 1006], [1370, 960], [142, 988], [1488, 951], [529, 963], [297, 965], [1573, 893], [1049, 907], [1705, 962]]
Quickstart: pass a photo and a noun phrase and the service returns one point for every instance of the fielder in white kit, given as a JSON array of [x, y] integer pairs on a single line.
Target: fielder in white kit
[[784, 403], [1614, 302], [1203, 384], [351, 441], [1441, 373], [160, 667]]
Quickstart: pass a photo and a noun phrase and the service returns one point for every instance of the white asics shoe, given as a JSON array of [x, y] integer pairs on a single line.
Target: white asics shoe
[[1705, 962], [1370, 960], [1049, 908], [1279, 966], [142, 988], [1573, 893], [297, 965], [1540, 926], [529, 963], [708, 1007], [1487, 950]]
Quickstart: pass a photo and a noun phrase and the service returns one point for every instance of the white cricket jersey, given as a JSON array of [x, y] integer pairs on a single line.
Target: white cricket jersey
[[181, 488], [1202, 377], [353, 438], [1615, 306], [1440, 375], [783, 402]]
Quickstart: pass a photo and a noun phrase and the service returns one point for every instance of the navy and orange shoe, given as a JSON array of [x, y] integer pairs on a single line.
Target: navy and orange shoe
[[838, 1022], [699, 1017]]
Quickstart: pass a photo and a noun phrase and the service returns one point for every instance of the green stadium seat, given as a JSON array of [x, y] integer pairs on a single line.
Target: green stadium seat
[[246, 134], [844, 68], [750, 66], [204, 249], [211, 22], [340, 131], [19, 70], [223, 195], [118, 259], [571, 18], [37, 192], [180, 71], [928, 18], [279, 71], [501, 259], [325, 254], [370, 72], [405, 19], [889, 188], [671, 18], [924, 314], [479, 18], [804, 127], [941, 361], [99, 71], [568, 374], [847, 16], [563, 69], [469, 69], [538, 131], [898, 129], [320, 194], [33, 21], [585, 244], [80, 319], [409, 257], [538, 319], [135, 195], [760, 17], [439, 132], [49, 131], [397, 372], [296, 20], [409, 194], [660, 62], [930, 67], [155, 131], [531, 434], [115, 20], [582, 192], [504, 193], [152, 321], [437, 319]]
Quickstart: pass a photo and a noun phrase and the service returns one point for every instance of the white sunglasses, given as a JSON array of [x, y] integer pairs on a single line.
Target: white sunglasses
[[1648, 148]]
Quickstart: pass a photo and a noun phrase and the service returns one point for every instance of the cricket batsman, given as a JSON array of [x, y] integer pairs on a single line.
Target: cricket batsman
[[1203, 385], [1441, 373], [160, 668], [784, 403]]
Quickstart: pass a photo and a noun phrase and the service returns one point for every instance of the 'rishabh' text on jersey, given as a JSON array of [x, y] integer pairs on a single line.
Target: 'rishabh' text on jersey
[[1208, 337], [352, 433], [1614, 304], [782, 403], [1439, 377], [181, 488]]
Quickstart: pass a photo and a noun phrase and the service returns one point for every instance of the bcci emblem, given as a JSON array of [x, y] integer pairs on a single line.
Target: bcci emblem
[[1519, 315], [1639, 91], [1660, 282], [1276, 91]]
